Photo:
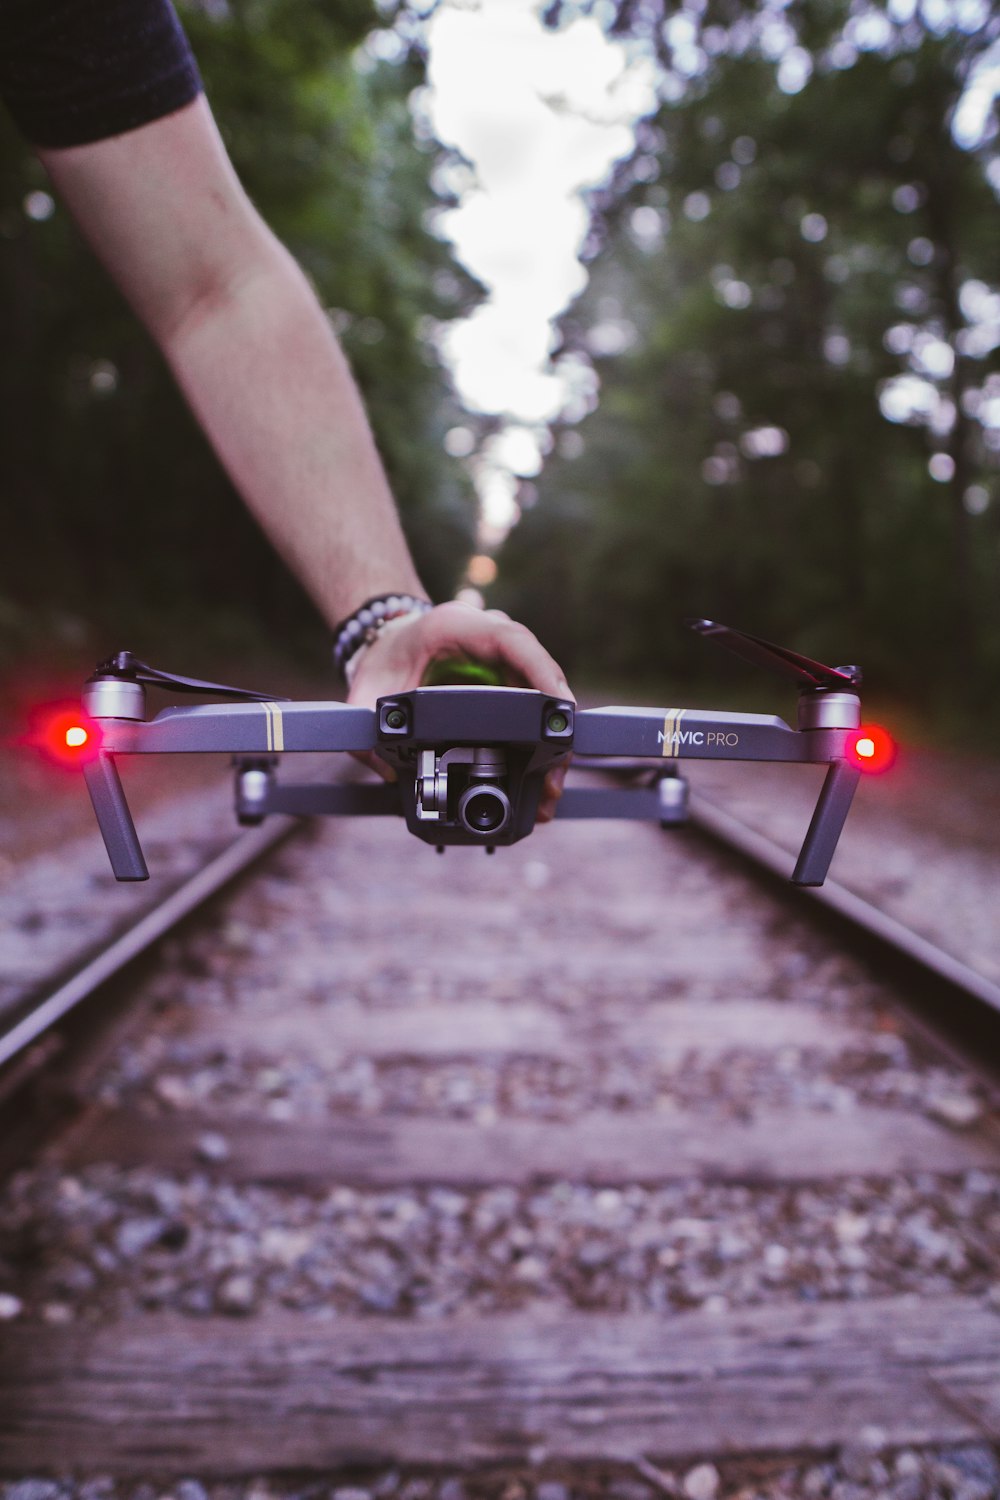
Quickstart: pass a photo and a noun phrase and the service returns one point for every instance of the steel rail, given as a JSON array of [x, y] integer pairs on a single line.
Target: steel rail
[[952, 998], [194, 892], [972, 1014]]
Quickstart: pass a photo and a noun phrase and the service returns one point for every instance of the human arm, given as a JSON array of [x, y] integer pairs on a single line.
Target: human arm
[[249, 345]]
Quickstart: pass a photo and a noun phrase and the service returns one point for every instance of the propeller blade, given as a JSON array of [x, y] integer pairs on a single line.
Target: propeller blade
[[125, 664], [802, 670]]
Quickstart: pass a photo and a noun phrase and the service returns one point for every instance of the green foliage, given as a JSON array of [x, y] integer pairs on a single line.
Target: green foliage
[[116, 511], [765, 268]]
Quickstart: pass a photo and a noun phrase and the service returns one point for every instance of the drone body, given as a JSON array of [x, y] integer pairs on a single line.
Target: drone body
[[470, 761]]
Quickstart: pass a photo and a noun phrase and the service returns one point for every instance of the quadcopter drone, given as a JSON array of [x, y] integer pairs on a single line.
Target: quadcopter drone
[[471, 760]]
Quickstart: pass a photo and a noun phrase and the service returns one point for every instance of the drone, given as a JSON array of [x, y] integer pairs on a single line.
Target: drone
[[470, 760]]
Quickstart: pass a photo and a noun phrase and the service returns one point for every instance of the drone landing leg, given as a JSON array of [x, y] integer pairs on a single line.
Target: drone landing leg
[[827, 824], [114, 819]]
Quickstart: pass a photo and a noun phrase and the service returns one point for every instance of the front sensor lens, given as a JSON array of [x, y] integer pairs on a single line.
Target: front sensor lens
[[558, 722], [395, 719]]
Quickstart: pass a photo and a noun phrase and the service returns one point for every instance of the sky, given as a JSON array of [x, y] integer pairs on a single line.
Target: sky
[[538, 115]]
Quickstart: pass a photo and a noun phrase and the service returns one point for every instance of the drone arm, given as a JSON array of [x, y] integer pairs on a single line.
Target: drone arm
[[114, 819], [365, 799], [827, 824], [244, 728], [673, 733]]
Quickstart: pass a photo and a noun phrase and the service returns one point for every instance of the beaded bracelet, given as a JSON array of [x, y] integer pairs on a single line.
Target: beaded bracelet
[[360, 628]]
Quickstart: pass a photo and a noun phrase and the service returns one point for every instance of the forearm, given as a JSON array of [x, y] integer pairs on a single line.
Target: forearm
[[263, 373], [250, 346]]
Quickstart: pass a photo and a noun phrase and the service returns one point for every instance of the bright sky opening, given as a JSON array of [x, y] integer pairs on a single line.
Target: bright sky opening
[[539, 115]]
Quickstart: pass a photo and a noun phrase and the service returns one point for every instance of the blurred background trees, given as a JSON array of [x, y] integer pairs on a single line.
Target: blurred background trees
[[793, 318], [794, 315], [117, 520]]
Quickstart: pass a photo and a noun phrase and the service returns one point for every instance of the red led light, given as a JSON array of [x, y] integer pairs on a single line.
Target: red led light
[[65, 735], [871, 749]]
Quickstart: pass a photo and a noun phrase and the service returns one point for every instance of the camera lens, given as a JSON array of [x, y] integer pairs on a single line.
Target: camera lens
[[484, 809]]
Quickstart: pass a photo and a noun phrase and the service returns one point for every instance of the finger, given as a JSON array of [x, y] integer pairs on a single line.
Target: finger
[[374, 763], [492, 636], [515, 645], [551, 792]]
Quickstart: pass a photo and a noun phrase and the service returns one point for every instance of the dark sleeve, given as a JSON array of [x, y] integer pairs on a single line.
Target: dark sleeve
[[73, 71]]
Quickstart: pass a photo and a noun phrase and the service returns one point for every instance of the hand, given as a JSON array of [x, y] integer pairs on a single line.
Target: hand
[[403, 650]]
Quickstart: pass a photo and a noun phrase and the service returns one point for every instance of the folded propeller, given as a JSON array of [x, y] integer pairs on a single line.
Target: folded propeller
[[804, 672], [127, 666]]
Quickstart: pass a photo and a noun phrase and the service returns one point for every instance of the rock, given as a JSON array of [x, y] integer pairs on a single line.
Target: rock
[[416, 1489], [855, 1461], [259, 1489], [136, 1235], [974, 1461], [33, 1489], [212, 1148], [286, 1246], [73, 1277], [851, 1228], [101, 1487], [630, 1489], [10, 1307], [173, 1091], [237, 1295], [956, 1109], [196, 1300], [451, 1489], [190, 1489], [57, 1313], [593, 1253], [379, 1297], [701, 1482]]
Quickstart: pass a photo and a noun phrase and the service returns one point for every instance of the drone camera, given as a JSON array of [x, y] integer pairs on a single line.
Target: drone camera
[[484, 809]]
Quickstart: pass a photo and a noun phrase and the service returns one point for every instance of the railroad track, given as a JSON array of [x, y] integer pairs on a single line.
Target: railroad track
[[590, 1166]]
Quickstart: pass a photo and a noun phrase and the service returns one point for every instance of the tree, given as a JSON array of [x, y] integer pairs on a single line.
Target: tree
[[784, 262]]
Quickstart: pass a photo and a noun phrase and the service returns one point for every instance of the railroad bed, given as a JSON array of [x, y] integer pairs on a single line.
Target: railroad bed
[[589, 1168]]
